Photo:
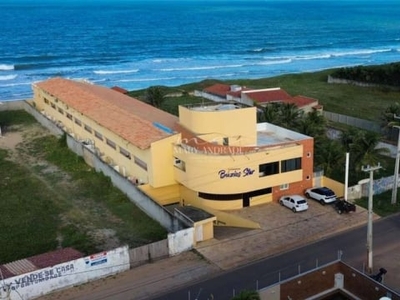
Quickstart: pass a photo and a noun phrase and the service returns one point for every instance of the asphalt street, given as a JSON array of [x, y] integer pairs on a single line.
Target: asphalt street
[[351, 245]]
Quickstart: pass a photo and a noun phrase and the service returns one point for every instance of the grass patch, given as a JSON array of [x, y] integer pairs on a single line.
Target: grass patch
[[132, 225], [381, 204], [16, 117], [360, 102], [29, 219], [56, 199]]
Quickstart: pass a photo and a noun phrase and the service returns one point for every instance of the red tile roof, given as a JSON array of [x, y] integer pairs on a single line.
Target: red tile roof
[[218, 89], [40, 261], [301, 101], [260, 96], [270, 95], [132, 119]]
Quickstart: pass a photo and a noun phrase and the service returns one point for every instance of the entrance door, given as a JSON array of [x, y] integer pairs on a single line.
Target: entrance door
[[247, 196], [246, 200]]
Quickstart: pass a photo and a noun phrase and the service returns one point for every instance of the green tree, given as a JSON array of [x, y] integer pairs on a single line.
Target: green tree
[[329, 155], [347, 138], [247, 295], [313, 124], [155, 96], [388, 120], [365, 151], [291, 115], [271, 113]]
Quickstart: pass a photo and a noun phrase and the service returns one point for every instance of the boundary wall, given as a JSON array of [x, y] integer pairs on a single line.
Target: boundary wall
[[40, 282], [176, 243]]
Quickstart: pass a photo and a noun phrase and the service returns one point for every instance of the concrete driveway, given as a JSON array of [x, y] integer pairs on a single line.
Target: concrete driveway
[[281, 230]]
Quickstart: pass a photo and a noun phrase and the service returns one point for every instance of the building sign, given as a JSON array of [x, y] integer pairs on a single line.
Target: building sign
[[236, 172], [96, 259], [43, 275]]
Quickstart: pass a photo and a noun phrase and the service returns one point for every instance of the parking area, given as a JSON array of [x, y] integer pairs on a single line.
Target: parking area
[[281, 230]]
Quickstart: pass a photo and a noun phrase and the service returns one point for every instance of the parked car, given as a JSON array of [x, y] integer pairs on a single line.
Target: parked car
[[294, 202], [343, 206], [323, 195]]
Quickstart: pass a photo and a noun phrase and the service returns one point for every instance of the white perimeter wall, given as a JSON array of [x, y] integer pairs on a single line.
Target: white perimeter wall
[[180, 241], [40, 282]]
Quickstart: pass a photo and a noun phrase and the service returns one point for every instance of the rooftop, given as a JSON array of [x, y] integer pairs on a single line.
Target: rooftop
[[194, 214], [135, 121], [269, 135], [213, 106]]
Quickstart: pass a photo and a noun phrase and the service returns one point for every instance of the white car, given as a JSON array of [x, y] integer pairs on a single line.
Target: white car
[[323, 195], [294, 202]]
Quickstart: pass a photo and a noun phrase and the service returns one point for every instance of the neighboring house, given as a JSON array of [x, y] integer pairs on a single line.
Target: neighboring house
[[261, 97], [214, 156], [336, 280]]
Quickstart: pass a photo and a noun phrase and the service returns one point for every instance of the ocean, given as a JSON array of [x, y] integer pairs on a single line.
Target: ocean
[[138, 44]]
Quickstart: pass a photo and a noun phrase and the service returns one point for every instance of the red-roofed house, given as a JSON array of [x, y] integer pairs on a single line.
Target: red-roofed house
[[223, 92]]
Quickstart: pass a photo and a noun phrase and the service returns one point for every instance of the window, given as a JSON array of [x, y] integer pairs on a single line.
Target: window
[[124, 152], [225, 141], [69, 116], [111, 144], [53, 105], [268, 169], [140, 163], [78, 122], [46, 101], [98, 135], [87, 128], [220, 197], [60, 110], [180, 164], [291, 164], [284, 186]]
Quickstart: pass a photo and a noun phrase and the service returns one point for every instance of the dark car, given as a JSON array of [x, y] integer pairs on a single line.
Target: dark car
[[343, 206]]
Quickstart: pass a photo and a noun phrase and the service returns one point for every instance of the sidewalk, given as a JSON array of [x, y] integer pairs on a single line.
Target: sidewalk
[[281, 230]]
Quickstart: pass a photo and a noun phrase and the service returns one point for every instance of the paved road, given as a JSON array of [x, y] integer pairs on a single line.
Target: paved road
[[268, 271]]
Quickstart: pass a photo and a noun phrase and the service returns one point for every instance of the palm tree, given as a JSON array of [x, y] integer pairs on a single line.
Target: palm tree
[[155, 96], [247, 295], [328, 154], [347, 137], [365, 151], [271, 113], [290, 115], [388, 119], [313, 124]]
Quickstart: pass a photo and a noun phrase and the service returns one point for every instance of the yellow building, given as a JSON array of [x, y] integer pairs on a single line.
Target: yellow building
[[214, 156], [133, 136]]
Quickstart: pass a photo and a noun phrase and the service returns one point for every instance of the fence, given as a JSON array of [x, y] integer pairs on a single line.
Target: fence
[[352, 121]]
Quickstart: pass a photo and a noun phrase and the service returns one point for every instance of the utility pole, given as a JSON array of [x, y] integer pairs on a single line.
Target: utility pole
[[370, 212], [396, 166], [346, 179]]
